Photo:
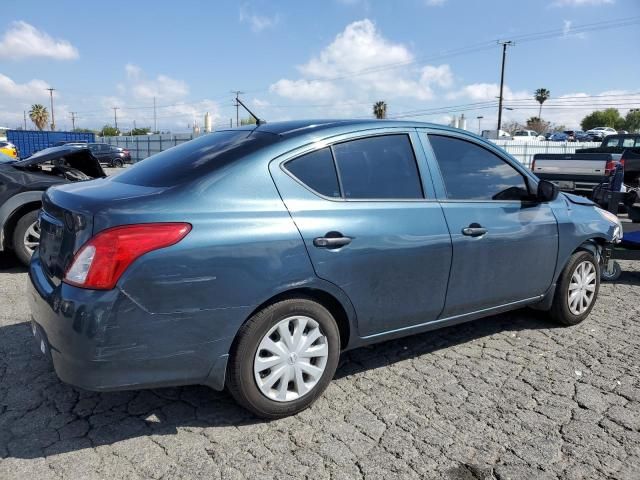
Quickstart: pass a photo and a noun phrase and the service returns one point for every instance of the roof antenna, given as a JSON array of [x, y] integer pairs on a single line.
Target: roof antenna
[[258, 121]]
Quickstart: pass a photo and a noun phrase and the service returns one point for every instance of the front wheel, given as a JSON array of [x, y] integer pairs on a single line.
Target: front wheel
[[284, 357], [577, 289], [26, 236]]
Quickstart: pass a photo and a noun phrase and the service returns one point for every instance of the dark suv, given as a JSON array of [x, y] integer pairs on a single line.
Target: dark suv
[[110, 155]]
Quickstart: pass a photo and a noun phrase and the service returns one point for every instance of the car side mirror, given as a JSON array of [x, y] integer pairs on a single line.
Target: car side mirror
[[547, 191]]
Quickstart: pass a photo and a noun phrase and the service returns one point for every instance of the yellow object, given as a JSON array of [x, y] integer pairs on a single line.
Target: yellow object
[[9, 149]]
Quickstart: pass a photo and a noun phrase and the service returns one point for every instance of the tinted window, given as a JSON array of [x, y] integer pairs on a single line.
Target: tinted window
[[195, 158], [471, 172], [611, 142], [378, 167], [317, 171]]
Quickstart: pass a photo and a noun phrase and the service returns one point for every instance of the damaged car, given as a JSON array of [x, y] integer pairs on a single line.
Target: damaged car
[[22, 184]]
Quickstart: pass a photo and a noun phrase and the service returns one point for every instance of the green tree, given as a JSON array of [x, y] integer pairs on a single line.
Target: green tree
[[632, 120], [541, 95], [380, 110], [248, 121], [140, 131], [602, 118], [109, 131], [39, 115]]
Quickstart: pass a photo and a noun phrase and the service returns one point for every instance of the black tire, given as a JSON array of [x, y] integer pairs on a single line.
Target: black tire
[[20, 249], [240, 374], [117, 163], [560, 311]]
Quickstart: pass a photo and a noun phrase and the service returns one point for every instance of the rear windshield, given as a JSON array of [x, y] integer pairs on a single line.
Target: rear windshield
[[195, 158]]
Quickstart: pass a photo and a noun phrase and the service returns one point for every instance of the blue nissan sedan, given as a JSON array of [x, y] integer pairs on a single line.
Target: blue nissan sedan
[[250, 258]]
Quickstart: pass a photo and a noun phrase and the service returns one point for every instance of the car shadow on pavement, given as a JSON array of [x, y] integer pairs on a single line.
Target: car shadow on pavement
[[41, 416], [10, 264]]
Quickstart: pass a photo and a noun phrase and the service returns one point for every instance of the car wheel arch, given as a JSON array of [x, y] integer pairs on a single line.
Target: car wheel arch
[[328, 300], [13, 218]]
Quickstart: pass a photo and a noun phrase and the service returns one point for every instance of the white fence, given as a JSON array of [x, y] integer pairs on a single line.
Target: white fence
[[524, 152], [142, 146]]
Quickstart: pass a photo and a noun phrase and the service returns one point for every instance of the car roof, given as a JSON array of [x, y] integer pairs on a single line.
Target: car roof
[[294, 128]]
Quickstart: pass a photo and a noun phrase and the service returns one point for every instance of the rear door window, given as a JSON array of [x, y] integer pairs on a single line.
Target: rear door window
[[380, 167]]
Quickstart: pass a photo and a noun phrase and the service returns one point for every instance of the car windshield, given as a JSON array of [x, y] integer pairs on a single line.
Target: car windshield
[[195, 158]]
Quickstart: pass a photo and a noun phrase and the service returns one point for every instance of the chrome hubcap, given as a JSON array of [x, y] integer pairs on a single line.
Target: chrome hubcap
[[291, 359], [32, 237], [582, 288]]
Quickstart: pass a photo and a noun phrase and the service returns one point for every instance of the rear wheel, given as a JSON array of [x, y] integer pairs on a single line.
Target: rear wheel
[[284, 358], [117, 163], [577, 289], [26, 236]]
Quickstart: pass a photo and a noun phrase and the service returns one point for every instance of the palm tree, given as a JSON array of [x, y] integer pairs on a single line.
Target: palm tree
[[39, 115], [541, 95], [380, 110]]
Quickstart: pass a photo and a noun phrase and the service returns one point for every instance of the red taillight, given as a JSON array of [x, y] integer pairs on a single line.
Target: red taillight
[[102, 260], [125, 151], [609, 167]]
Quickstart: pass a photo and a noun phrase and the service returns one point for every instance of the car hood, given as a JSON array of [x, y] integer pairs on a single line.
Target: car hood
[[578, 200], [79, 158]]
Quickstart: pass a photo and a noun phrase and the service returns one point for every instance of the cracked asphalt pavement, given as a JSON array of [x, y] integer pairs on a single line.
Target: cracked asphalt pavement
[[510, 396]]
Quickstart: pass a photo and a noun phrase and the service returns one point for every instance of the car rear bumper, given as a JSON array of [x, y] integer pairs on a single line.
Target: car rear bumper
[[101, 340]]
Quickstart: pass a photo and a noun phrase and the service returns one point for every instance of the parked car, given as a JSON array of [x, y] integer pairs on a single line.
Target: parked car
[[527, 136], [110, 155], [581, 171], [558, 137], [252, 257], [601, 132], [22, 184], [577, 136], [9, 149]]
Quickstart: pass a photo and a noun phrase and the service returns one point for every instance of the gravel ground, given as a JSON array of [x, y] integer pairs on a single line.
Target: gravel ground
[[510, 396]]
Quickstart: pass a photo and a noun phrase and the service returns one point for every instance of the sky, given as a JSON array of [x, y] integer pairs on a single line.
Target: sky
[[427, 59]]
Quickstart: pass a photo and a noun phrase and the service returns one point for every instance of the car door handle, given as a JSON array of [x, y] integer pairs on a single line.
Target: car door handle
[[332, 241], [474, 230]]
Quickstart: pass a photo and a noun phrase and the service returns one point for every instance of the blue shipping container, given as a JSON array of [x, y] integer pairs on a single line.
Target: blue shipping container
[[31, 141]]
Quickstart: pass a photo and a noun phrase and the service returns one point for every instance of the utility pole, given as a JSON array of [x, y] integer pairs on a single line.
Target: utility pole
[[237, 92], [504, 44], [53, 118], [480, 117], [115, 116], [24, 112], [155, 118], [73, 120]]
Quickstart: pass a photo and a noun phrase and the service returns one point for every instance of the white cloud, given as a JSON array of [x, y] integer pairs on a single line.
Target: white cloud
[[581, 3], [305, 89], [481, 92], [355, 66], [435, 3], [257, 22], [567, 31], [441, 76], [33, 90], [23, 40], [162, 86]]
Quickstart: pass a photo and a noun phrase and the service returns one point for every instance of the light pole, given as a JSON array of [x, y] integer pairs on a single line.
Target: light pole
[[479, 117]]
